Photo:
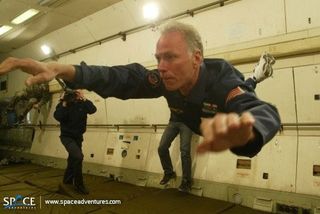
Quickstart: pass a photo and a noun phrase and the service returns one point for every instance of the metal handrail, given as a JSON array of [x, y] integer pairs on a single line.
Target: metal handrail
[[108, 126], [300, 124], [159, 125]]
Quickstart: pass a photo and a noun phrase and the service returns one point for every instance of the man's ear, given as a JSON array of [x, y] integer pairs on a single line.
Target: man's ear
[[197, 58]]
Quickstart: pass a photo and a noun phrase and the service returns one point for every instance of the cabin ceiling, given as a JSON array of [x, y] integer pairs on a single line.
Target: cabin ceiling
[[54, 14]]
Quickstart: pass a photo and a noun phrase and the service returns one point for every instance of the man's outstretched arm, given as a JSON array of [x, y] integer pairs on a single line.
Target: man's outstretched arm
[[41, 72]]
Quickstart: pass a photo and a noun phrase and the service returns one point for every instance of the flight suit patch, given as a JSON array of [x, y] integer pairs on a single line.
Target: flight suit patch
[[209, 108]]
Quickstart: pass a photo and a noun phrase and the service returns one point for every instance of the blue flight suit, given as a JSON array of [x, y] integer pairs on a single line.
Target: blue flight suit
[[217, 78]]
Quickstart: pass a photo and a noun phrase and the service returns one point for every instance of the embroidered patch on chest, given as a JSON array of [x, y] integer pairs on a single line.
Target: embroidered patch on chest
[[154, 79], [209, 108]]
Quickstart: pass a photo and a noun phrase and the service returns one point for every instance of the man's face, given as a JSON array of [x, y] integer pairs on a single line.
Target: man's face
[[176, 64]]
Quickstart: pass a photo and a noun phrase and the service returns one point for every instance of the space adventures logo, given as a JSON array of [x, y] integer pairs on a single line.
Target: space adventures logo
[[19, 202]]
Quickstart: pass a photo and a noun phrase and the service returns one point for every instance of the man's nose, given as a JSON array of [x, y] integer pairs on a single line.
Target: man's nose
[[162, 66]]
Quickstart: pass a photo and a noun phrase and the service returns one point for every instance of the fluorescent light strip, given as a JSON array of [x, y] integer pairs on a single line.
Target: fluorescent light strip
[[25, 16], [4, 29]]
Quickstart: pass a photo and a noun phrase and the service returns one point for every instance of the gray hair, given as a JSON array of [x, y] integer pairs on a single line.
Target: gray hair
[[190, 34]]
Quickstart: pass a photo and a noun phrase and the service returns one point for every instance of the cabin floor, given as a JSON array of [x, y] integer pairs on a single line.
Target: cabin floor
[[43, 183]]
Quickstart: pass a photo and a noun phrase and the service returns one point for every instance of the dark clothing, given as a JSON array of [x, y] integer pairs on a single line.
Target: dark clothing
[[73, 117], [251, 84], [73, 122], [217, 78], [73, 172]]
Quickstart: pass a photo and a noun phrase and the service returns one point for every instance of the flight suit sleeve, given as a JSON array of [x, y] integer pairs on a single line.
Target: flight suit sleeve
[[123, 82], [267, 121], [233, 94]]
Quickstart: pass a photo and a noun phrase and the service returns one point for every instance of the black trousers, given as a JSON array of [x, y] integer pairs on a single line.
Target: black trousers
[[73, 172]]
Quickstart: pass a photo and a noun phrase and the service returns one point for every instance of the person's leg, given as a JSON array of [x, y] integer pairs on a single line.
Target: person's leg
[[78, 177], [69, 172], [75, 162], [263, 69], [168, 136], [185, 150], [78, 159], [251, 84]]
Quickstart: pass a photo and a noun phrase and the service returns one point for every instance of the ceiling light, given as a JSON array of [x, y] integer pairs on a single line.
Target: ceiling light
[[46, 49], [4, 29], [25, 16], [150, 11]]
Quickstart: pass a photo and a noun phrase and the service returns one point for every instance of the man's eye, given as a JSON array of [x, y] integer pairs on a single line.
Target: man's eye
[[169, 57], [166, 57]]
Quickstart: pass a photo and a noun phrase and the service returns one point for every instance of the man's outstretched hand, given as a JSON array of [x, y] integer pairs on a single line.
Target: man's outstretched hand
[[40, 71], [225, 131]]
